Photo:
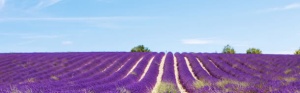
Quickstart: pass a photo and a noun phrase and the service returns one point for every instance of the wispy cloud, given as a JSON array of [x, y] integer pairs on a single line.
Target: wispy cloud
[[116, 18], [26, 42], [31, 35], [13, 34], [286, 7], [196, 41], [41, 36], [106, 1], [241, 45], [66, 42], [46, 3], [2, 4]]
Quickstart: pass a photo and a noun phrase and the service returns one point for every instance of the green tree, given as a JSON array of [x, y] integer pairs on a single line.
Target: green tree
[[228, 50], [297, 52], [254, 51], [140, 48]]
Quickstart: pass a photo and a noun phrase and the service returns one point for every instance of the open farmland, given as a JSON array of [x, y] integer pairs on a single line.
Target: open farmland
[[124, 72]]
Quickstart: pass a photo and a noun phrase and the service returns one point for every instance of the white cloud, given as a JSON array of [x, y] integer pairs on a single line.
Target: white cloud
[[41, 36], [46, 3], [67, 43], [196, 41], [241, 45], [31, 35], [13, 34], [287, 7], [106, 1], [2, 3], [116, 18], [26, 42]]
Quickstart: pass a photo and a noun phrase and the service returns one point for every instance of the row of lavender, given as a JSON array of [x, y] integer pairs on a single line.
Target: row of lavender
[[110, 72], [235, 73], [108, 69], [23, 66]]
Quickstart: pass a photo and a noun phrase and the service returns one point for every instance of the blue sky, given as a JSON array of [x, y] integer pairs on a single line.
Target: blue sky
[[161, 25]]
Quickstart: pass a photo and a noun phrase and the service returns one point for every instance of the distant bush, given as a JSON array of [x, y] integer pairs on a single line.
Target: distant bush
[[140, 48], [253, 51], [228, 50], [297, 52]]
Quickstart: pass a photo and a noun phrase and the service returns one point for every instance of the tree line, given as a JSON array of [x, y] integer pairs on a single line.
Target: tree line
[[227, 50]]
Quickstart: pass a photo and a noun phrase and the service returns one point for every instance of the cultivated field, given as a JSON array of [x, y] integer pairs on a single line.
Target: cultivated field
[[124, 72]]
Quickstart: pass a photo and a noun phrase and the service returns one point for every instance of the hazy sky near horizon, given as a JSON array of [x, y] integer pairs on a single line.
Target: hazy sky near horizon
[[161, 25]]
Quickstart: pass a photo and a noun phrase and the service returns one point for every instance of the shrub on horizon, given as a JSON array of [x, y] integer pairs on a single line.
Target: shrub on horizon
[[228, 50], [297, 52], [140, 48], [254, 51]]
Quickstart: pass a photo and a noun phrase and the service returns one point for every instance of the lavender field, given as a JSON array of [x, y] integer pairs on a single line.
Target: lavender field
[[124, 72]]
